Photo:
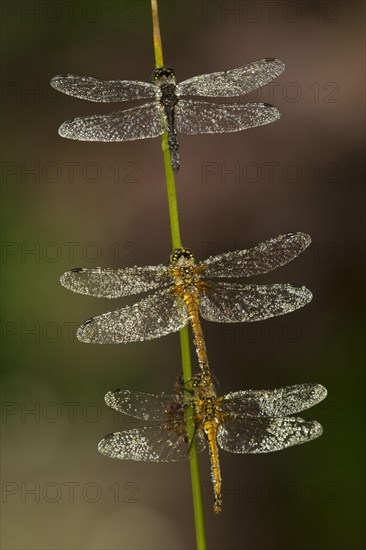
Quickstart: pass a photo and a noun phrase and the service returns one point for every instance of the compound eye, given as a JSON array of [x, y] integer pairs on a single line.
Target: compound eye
[[187, 253]]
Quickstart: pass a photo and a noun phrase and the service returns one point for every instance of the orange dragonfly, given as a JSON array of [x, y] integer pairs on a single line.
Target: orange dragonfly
[[247, 421], [186, 290]]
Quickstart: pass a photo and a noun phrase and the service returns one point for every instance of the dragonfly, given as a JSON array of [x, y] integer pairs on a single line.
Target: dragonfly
[[242, 422], [186, 290], [168, 109]]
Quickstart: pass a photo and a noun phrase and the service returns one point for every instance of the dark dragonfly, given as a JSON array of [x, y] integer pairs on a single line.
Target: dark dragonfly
[[244, 422], [185, 290], [169, 111]]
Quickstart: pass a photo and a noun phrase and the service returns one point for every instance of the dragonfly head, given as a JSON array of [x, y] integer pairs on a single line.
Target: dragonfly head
[[163, 75], [182, 257]]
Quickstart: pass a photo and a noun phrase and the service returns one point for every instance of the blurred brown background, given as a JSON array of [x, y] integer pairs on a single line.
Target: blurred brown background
[[69, 203]]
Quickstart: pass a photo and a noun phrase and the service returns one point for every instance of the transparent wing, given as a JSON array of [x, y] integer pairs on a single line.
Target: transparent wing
[[239, 81], [145, 121], [153, 317], [264, 435], [145, 406], [114, 283], [235, 303], [149, 444], [200, 117], [104, 91], [262, 258], [278, 402]]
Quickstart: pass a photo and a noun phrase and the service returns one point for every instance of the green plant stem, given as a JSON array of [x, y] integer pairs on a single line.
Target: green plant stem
[[184, 333], [172, 195], [193, 455]]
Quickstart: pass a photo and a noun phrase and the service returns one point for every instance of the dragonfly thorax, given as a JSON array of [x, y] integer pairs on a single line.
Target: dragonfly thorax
[[168, 96], [207, 409]]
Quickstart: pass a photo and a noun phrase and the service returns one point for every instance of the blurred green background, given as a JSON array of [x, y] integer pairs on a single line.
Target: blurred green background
[[67, 203]]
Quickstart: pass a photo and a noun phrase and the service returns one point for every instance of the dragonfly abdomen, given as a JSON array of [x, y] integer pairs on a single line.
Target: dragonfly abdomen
[[172, 138], [169, 100], [174, 150], [191, 302], [210, 430]]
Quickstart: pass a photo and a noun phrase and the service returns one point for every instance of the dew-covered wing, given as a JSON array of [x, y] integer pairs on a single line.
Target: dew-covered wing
[[265, 434], [149, 444], [262, 258], [277, 402], [233, 303], [103, 91], [234, 82], [146, 406], [114, 283], [153, 317], [201, 117], [145, 121]]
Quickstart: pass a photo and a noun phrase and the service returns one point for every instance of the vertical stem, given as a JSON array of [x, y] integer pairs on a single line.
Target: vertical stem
[[193, 455], [172, 194], [184, 334], [158, 48]]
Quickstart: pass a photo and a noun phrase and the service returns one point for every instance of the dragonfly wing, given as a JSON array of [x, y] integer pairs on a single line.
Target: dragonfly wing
[[200, 117], [235, 303], [145, 121], [153, 317], [234, 82], [145, 406], [278, 402], [148, 444], [114, 283], [264, 435], [260, 259], [103, 91]]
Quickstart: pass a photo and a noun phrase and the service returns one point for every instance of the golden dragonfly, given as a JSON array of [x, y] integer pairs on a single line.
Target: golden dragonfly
[[246, 421], [185, 290], [167, 108]]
